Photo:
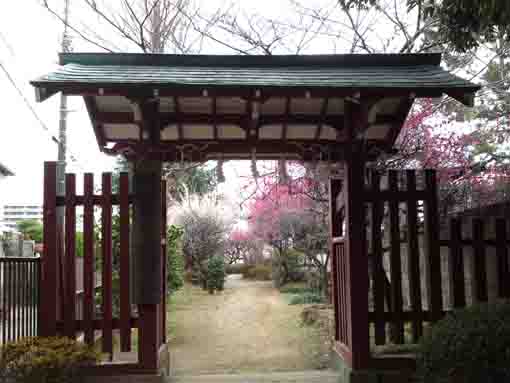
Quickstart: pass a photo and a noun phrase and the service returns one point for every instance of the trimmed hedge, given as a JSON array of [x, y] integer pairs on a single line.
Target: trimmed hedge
[[470, 346], [175, 259], [45, 360]]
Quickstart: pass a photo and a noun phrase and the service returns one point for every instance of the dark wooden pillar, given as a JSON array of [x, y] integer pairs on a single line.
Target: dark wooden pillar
[[147, 292], [356, 121], [49, 272]]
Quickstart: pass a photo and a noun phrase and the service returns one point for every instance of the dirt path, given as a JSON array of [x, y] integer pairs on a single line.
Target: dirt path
[[248, 327]]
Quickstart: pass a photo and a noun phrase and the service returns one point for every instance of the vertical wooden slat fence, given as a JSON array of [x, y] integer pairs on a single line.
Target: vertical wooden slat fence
[[419, 265], [19, 297], [397, 259], [474, 243], [419, 269], [81, 316], [87, 319]]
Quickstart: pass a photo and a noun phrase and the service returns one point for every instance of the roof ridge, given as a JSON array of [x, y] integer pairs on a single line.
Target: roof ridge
[[320, 60]]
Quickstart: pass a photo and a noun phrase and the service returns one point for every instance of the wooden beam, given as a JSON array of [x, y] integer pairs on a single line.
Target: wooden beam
[[101, 118], [90, 104], [170, 151], [399, 120]]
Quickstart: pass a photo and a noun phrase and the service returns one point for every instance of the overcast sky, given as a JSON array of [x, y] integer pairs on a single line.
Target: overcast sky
[[29, 43]]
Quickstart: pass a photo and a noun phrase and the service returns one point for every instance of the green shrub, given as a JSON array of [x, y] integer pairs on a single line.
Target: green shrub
[[306, 298], [215, 274], [175, 259], [259, 273], [295, 290], [470, 345], [45, 360]]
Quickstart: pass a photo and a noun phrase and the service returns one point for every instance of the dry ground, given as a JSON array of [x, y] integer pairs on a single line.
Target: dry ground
[[247, 327]]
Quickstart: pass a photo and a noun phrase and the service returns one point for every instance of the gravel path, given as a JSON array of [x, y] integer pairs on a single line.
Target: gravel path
[[247, 327]]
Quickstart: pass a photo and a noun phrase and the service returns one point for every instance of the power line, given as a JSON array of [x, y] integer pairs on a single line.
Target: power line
[[33, 111], [27, 103]]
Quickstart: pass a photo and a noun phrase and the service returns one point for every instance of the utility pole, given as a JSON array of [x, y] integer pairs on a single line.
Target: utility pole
[[156, 43], [62, 129]]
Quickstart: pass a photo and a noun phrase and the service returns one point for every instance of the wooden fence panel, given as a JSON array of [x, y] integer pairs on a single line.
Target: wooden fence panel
[[82, 318]]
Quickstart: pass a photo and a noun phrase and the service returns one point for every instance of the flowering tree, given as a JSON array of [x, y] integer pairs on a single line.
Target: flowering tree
[[292, 217], [471, 156], [239, 246]]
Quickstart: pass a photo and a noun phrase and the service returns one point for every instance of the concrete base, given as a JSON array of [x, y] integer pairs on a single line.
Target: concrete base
[[164, 360], [112, 373], [348, 375]]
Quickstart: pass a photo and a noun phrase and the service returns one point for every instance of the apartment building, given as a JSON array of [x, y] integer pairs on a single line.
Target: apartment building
[[13, 213]]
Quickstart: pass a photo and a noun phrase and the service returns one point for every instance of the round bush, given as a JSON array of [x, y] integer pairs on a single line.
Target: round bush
[[44, 360], [470, 346]]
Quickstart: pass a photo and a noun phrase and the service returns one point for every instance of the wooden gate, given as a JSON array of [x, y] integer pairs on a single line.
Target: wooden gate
[[105, 220]]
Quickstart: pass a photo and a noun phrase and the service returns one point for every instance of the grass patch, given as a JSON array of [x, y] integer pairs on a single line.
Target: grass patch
[[300, 294]]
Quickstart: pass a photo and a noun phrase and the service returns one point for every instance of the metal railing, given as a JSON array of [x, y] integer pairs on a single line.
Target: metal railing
[[19, 297]]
